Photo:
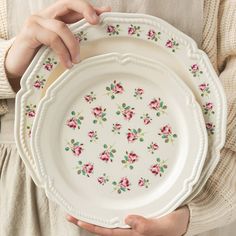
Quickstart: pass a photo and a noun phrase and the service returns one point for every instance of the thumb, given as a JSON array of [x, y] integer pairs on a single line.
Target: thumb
[[138, 224]]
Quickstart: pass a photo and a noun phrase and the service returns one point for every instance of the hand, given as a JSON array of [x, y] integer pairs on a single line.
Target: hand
[[174, 224], [48, 27]]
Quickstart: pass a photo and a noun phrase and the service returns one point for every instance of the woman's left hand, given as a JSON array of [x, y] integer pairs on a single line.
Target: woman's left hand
[[174, 224]]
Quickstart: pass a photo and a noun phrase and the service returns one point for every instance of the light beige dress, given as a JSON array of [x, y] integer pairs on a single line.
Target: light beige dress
[[24, 208]]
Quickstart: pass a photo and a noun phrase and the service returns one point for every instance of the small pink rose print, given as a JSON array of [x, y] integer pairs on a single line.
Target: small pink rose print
[[146, 119], [128, 114], [210, 128], [116, 128], [114, 89], [143, 182], [39, 82], [49, 63], [172, 44], [72, 123], [153, 147], [158, 168], [113, 30], [158, 105], [155, 169], [86, 169], [138, 93], [81, 36], [127, 111], [135, 134], [129, 159], [30, 110], [152, 35], [122, 186], [208, 108], [90, 97], [99, 114], [166, 134], [76, 147], [93, 136], [205, 89], [75, 121], [105, 156], [102, 180], [77, 150], [108, 154], [134, 30], [124, 182], [195, 70]]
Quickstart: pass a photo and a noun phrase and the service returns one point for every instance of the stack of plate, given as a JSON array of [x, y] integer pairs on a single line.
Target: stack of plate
[[135, 128]]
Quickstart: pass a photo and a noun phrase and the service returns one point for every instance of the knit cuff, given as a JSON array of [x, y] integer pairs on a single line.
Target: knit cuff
[[6, 90], [214, 205]]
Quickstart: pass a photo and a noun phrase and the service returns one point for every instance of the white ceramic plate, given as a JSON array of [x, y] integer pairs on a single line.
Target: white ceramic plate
[[144, 35], [118, 135]]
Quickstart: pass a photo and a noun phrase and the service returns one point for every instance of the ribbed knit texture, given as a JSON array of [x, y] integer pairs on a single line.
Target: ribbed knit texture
[[215, 206]]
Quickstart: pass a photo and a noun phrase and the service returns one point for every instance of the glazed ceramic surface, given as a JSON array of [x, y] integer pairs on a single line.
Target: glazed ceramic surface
[[118, 135], [141, 34]]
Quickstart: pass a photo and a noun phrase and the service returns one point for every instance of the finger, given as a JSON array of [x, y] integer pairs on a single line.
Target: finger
[[51, 39], [74, 16], [104, 231], [141, 225], [72, 219], [62, 30], [62, 8]]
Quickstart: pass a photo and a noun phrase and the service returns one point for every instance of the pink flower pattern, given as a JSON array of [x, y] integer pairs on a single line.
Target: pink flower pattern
[[39, 82], [143, 182], [90, 97], [167, 134], [113, 30], [30, 110], [158, 168], [153, 147], [135, 134], [195, 70], [134, 30], [129, 159], [122, 186], [208, 108], [114, 89], [75, 147], [158, 106], [172, 44], [138, 93], [153, 35], [205, 89], [99, 114], [49, 63], [107, 155], [116, 128], [75, 121], [86, 169], [81, 36], [127, 111], [102, 180]]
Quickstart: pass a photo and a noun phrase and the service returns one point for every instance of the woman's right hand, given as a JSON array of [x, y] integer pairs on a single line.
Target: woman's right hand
[[49, 27]]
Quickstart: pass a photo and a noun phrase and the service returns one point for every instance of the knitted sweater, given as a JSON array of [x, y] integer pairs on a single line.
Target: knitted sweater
[[215, 205]]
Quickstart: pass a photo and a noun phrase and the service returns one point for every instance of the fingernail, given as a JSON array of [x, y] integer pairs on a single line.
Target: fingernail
[[94, 17], [77, 59], [78, 223], [69, 64]]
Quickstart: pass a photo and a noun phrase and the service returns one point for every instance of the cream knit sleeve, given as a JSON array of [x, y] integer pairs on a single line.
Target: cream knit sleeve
[[6, 90], [215, 206]]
